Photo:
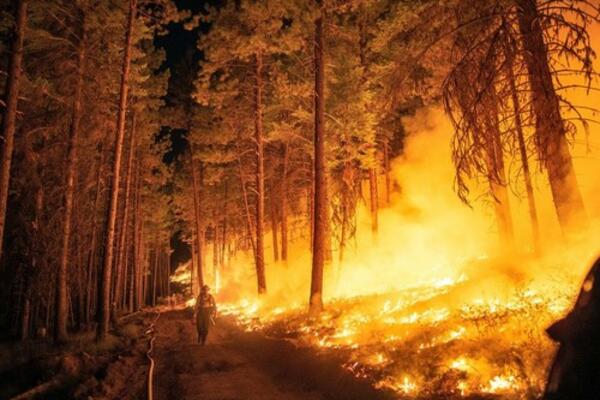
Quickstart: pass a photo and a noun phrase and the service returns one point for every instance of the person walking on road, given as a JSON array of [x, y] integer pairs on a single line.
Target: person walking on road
[[206, 311]]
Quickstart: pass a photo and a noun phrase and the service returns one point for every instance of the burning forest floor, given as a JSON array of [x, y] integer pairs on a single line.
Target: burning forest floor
[[455, 338], [246, 365]]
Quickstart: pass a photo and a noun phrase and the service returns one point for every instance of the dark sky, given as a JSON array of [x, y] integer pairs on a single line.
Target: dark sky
[[177, 43]]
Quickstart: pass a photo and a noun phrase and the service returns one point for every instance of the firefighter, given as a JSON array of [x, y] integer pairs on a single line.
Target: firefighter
[[575, 373], [206, 311]]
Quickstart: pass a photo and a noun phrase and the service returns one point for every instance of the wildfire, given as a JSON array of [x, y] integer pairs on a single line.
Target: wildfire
[[399, 341]]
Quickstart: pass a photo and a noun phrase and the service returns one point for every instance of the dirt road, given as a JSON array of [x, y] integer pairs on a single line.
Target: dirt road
[[235, 365]]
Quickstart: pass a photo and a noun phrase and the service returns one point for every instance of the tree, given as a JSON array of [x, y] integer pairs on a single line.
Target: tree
[[10, 113], [321, 217], [549, 124], [60, 326], [105, 283]]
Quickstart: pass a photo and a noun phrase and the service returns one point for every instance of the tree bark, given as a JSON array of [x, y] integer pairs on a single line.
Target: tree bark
[[121, 259], [549, 125], [320, 176], [104, 304], [374, 200], [283, 204], [386, 166], [60, 323], [273, 215], [535, 227], [134, 303], [9, 120], [197, 187], [497, 179], [260, 178]]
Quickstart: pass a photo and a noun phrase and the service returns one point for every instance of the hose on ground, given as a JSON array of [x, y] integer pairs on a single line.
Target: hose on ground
[[151, 331]]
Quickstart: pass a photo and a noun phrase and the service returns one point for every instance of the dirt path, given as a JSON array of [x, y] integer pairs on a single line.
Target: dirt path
[[244, 366]]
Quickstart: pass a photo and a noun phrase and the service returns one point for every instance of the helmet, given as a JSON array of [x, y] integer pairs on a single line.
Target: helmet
[[206, 288]]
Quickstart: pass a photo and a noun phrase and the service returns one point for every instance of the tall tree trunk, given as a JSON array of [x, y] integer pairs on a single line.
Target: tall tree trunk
[[134, 299], [373, 191], [197, 187], [549, 126], [155, 273], [386, 166], [260, 178], [216, 257], [193, 268], [320, 173], [60, 323], [9, 120], [128, 179], [224, 232], [273, 215], [498, 186], [246, 206], [535, 227], [374, 200], [91, 265], [104, 304], [283, 204]]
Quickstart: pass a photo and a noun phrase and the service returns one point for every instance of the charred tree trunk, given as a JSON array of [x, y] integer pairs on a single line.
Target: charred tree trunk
[[9, 120], [320, 173], [260, 178], [60, 323], [105, 282], [122, 240], [549, 125]]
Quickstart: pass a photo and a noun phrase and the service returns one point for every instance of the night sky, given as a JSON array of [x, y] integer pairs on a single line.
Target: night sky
[[180, 44]]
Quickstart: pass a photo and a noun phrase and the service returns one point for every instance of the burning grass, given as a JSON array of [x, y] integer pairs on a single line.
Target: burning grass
[[433, 341]]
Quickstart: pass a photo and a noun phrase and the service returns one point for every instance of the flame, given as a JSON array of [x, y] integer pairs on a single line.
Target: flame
[[431, 305]]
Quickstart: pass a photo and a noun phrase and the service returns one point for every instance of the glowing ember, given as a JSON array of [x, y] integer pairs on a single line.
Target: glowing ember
[[399, 341]]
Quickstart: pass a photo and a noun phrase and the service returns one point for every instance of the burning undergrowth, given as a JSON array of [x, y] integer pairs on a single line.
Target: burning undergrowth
[[445, 340]]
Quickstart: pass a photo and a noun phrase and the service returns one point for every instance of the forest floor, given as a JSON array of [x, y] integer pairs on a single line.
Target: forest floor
[[243, 365]]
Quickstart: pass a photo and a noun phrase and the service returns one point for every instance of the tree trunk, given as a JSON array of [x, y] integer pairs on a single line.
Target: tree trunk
[[104, 304], [224, 232], [121, 259], [320, 176], [386, 166], [498, 186], [9, 120], [197, 187], [134, 299], [60, 323], [273, 215], [535, 227], [374, 201], [283, 204], [246, 206], [549, 126], [193, 289], [260, 179], [155, 274], [216, 257]]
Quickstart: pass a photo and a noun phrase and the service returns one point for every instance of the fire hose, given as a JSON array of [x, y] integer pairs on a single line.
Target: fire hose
[[151, 331]]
